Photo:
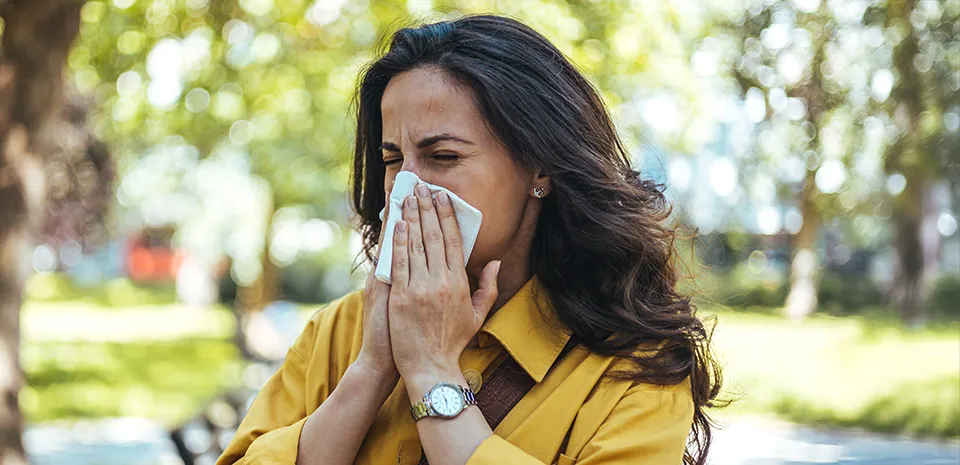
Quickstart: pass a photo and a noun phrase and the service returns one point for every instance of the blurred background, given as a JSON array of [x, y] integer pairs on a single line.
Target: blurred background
[[195, 211]]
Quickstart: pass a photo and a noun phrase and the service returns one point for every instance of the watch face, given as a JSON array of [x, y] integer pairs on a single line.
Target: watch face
[[446, 401]]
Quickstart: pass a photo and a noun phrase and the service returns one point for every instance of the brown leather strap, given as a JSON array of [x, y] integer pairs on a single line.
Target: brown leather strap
[[504, 388]]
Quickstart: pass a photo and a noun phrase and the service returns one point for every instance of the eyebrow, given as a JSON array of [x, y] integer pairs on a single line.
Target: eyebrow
[[426, 142]]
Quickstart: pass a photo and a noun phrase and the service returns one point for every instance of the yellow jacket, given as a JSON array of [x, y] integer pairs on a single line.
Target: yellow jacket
[[614, 422]]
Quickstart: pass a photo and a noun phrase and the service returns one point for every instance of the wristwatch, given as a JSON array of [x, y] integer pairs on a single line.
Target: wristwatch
[[445, 400]]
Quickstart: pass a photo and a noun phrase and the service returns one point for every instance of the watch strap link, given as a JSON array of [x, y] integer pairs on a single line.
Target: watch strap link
[[468, 396], [421, 409]]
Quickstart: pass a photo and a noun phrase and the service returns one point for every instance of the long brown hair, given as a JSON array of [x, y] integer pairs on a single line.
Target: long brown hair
[[601, 250]]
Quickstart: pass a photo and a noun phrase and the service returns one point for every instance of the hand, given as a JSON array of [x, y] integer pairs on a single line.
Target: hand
[[375, 352], [432, 314]]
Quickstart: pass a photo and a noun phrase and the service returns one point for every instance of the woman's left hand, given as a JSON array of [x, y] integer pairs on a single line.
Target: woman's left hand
[[432, 314]]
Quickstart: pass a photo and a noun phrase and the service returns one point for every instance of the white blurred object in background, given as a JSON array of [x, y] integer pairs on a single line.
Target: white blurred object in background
[[270, 332], [195, 283]]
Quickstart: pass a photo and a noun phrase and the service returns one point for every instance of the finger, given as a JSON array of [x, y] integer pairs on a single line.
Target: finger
[[452, 241], [418, 259], [485, 296], [432, 234], [375, 284], [377, 290], [400, 273]]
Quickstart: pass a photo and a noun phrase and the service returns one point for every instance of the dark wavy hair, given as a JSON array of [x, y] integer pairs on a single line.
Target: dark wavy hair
[[600, 249]]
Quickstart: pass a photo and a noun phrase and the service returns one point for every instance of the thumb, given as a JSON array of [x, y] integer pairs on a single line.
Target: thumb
[[486, 294]]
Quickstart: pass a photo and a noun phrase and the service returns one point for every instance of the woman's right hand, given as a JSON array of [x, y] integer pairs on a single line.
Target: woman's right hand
[[376, 354]]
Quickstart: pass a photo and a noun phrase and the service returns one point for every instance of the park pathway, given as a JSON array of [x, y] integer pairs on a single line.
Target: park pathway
[[752, 441], [746, 441]]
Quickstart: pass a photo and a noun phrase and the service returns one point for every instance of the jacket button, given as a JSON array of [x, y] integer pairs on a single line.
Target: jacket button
[[474, 379]]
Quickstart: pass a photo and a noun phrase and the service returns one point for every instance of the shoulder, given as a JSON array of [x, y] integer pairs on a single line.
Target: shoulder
[[334, 325], [680, 393], [663, 403], [347, 310], [661, 400]]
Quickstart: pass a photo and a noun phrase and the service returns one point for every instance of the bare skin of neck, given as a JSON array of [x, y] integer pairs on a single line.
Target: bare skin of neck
[[514, 273]]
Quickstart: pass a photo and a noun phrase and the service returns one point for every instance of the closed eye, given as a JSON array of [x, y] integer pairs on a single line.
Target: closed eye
[[443, 157]]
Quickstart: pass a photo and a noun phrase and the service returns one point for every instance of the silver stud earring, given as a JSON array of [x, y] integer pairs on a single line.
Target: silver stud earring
[[539, 192]]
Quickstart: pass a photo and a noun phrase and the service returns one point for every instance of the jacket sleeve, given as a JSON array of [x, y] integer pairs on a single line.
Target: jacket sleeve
[[649, 425], [270, 431]]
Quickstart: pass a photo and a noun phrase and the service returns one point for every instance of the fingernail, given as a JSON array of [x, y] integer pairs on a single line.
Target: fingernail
[[402, 226], [423, 190], [443, 198], [499, 262], [411, 202]]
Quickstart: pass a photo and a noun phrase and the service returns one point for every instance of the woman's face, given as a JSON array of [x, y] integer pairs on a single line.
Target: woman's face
[[432, 128]]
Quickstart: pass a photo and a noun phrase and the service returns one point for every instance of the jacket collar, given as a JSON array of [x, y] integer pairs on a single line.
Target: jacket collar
[[533, 339]]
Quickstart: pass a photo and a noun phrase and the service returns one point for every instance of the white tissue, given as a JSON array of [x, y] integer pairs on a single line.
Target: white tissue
[[468, 218]]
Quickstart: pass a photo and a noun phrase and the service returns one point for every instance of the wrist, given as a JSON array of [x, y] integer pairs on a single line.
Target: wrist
[[383, 379], [418, 382], [378, 366]]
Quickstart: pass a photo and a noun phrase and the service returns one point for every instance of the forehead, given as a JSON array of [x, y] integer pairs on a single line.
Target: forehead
[[426, 100]]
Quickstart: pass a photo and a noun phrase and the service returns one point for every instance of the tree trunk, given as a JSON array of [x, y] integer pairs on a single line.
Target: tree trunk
[[804, 270], [914, 217], [918, 249], [258, 294], [36, 41], [801, 300]]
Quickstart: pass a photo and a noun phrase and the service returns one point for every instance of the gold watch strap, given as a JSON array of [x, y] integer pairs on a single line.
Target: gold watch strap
[[420, 409]]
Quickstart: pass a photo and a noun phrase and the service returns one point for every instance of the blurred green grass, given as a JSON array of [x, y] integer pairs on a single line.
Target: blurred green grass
[[828, 371], [115, 293], [168, 381], [841, 371]]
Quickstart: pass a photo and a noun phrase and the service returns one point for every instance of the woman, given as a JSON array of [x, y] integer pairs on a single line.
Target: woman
[[570, 246]]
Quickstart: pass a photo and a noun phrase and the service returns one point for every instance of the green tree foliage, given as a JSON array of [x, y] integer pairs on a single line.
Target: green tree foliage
[[250, 103], [923, 151], [846, 94], [233, 120]]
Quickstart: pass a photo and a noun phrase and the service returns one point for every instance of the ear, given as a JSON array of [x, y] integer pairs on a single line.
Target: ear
[[540, 184]]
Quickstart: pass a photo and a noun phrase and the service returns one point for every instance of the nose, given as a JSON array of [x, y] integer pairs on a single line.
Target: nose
[[416, 166], [412, 165]]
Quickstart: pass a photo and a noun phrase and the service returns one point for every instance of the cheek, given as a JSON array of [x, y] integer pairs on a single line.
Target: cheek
[[501, 222], [499, 198], [389, 179]]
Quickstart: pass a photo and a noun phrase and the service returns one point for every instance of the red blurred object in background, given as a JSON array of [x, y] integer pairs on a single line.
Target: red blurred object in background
[[151, 258]]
